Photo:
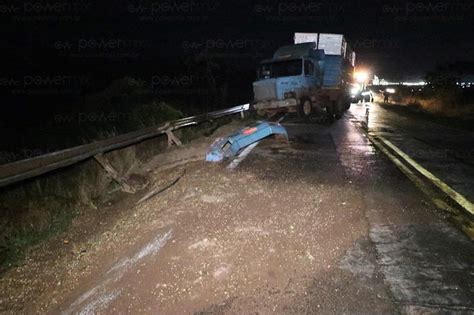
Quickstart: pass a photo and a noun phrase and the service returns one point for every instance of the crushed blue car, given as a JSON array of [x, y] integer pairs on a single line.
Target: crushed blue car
[[231, 145]]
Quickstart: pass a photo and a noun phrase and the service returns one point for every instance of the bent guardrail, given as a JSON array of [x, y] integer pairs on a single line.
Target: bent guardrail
[[28, 168]]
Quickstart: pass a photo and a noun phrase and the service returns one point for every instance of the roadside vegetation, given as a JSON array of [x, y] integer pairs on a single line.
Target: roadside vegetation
[[100, 106], [125, 105], [446, 95], [38, 209], [43, 208]]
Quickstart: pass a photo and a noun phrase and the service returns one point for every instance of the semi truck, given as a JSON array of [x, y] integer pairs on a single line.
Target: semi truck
[[312, 76]]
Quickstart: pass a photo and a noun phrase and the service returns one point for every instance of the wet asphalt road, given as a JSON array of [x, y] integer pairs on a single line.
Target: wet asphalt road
[[446, 151], [326, 224]]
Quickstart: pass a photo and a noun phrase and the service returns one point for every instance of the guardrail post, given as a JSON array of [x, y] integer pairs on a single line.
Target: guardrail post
[[172, 138], [113, 173]]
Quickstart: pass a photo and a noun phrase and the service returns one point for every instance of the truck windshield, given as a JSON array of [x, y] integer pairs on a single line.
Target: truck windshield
[[280, 69]]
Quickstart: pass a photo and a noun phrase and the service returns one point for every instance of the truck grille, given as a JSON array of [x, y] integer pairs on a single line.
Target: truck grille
[[264, 90]]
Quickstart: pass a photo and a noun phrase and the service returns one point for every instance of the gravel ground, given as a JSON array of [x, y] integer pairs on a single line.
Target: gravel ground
[[319, 225]]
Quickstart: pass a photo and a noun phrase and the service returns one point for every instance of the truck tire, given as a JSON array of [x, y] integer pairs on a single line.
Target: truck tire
[[347, 103], [334, 111], [340, 106], [338, 111], [330, 111], [305, 108]]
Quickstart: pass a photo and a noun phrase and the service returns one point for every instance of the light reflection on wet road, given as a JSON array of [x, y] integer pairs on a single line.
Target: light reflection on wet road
[[446, 152]]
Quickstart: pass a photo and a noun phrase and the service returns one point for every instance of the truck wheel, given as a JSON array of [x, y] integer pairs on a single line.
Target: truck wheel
[[348, 103], [339, 111], [305, 108], [330, 111], [343, 105]]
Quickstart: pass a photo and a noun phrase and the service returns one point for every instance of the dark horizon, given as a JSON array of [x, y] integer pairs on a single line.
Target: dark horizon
[[83, 46]]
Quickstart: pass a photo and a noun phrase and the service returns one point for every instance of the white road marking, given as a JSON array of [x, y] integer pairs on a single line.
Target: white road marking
[[457, 197]]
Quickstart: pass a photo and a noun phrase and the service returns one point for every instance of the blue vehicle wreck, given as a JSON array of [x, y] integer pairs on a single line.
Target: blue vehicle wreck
[[230, 146]]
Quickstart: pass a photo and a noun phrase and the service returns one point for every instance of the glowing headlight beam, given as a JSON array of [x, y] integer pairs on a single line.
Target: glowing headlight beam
[[361, 76]]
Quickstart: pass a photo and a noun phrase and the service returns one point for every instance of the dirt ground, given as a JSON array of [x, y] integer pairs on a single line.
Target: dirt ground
[[319, 225]]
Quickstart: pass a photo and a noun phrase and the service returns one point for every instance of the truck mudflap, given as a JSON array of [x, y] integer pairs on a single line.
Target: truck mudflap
[[231, 145]]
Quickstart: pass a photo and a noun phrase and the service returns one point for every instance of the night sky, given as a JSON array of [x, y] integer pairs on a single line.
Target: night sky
[[88, 44]]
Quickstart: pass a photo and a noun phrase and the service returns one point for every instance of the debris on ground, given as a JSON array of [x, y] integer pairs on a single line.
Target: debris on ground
[[230, 146]]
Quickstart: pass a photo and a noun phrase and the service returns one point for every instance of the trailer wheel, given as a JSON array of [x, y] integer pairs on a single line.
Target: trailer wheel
[[305, 108]]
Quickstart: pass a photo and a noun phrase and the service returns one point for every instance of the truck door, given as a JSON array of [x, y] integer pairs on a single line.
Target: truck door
[[310, 73]]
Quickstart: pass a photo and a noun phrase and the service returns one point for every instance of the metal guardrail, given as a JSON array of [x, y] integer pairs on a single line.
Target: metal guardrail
[[24, 169]]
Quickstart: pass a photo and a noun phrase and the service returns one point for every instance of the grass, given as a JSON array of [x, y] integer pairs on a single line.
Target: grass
[[450, 107], [16, 246], [414, 111]]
